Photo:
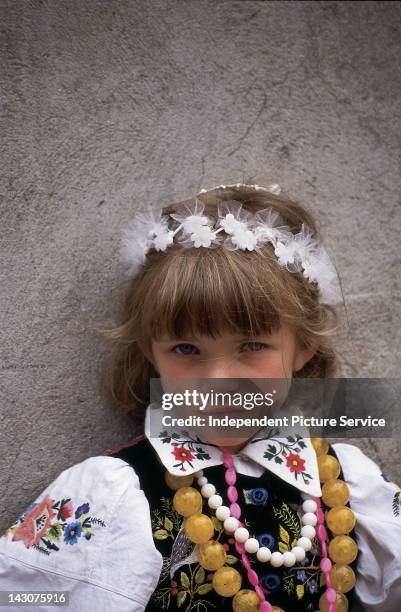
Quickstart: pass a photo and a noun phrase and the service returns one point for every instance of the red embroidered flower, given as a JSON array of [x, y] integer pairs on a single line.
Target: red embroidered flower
[[295, 463], [182, 453], [36, 523], [67, 510]]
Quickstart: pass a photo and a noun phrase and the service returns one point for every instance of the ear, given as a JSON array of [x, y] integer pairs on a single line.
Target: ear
[[305, 354]]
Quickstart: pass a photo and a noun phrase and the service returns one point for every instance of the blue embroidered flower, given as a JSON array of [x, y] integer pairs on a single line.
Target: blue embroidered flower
[[266, 539], [313, 586], [83, 509], [259, 495], [301, 575], [271, 582], [72, 532]]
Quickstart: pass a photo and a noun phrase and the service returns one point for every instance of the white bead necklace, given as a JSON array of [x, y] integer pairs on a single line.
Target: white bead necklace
[[251, 545]]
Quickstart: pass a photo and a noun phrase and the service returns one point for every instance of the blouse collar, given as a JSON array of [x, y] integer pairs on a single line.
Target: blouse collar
[[292, 458]]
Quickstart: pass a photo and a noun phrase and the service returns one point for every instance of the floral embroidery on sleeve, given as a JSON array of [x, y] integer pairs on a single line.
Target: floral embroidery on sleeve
[[47, 522]]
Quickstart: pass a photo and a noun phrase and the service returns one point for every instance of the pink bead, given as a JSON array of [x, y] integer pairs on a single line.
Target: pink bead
[[253, 577], [246, 564], [235, 510], [259, 593], [332, 608], [239, 547], [265, 607], [327, 580], [232, 494], [322, 533], [227, 459], [324, 549], [320, 515], [330, 596], [230, 476], [325, 565]]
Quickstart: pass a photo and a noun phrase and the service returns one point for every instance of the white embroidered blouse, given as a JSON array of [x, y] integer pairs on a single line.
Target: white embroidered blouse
[[88, 534]]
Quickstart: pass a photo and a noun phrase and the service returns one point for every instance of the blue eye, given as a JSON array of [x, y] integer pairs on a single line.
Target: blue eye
[[184, 349], [255, 347]]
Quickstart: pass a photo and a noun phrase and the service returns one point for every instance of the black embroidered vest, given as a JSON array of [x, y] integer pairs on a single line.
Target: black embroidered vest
[[269, 510]]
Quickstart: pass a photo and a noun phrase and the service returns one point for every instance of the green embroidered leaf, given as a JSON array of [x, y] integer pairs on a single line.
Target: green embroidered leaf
[[300, 590], [55, 532], [204, 588], [168, 524], [181, 598], [230, 559], [282, 547], [160, 534], [184, 580], [200, 575], [216, 523], [284, 535]]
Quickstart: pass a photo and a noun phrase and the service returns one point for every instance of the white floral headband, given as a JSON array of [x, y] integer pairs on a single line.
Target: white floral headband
[[244, 230]]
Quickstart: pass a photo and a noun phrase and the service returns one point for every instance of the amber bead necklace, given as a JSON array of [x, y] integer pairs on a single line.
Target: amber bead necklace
[[227, 581]]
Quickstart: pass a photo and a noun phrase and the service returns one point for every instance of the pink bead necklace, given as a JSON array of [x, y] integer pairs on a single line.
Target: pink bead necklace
[[230, 477]]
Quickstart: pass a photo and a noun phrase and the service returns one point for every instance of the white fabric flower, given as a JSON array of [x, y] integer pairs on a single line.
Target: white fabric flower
[[269, 227], [238, 223], [138, 235], [195, 226]]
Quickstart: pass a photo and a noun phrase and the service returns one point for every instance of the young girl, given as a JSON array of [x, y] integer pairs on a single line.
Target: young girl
[[233, 284]]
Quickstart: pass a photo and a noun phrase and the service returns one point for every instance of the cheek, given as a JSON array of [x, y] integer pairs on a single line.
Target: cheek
[[272, 365]]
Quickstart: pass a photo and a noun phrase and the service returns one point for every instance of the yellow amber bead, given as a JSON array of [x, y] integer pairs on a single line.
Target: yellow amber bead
[[227, 581], [340, 519], [320, 445], [341, 603], [211, 555], [335, 493], [187, 501], [176, 482], [329, 467], [199, 528], [276, 609], [343, 550], [246, 601], [343, 578]]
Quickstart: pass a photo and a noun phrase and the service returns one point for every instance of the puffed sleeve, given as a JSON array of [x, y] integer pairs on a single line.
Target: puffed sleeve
[[89, 535], [376, 503]]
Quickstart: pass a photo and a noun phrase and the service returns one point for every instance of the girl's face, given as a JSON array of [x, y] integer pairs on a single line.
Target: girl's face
[[274, 355]]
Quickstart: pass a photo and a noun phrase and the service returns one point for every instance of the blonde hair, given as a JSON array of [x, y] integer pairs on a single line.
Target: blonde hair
[[201, 291]]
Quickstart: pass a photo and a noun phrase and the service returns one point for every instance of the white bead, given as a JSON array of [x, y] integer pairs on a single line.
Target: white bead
[[252, 545], [241, 534], [263, 554], [309, 519], [299, 553], [202, 481], [208, 489], [231, 523], [289, 559], [304, 543], [222, 513], [198, 474], [308, 531], [277, 559], [309, 505], [215, 501]]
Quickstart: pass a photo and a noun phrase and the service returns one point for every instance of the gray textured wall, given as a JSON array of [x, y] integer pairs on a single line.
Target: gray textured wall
[[108, 103]]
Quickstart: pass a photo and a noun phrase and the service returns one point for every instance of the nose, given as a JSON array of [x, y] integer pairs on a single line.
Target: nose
[[222, 367]]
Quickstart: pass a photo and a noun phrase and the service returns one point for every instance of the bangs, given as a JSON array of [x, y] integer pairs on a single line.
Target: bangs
[[205, 292]]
